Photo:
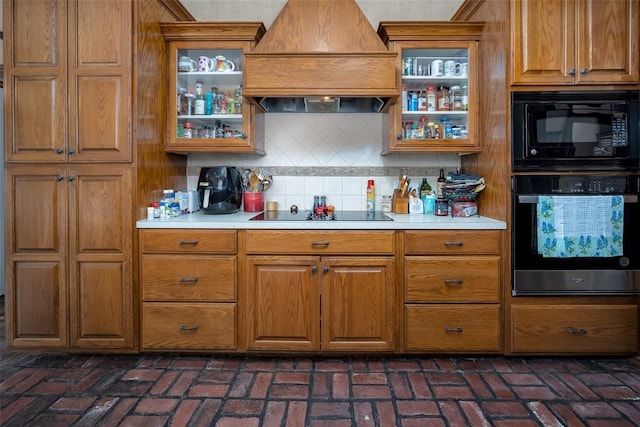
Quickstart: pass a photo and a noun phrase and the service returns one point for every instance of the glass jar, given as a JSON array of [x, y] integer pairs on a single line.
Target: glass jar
[[455, 95], [442, 98]]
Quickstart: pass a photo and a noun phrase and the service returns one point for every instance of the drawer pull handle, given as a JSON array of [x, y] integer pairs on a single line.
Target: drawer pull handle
[[325, 244], [188, 280], [448, 329], [188, 328], [189, 242], [453, 281], [453, 243], [574, 331]]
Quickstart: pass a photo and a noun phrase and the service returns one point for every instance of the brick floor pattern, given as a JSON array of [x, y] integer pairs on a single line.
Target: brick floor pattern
[[47, 389]]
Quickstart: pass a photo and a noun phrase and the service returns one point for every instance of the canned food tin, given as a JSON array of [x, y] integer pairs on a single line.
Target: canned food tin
[[442, 208]]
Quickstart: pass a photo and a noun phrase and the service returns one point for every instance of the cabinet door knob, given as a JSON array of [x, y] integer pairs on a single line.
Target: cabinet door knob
[[572, 72], [71, 151], [59, 178], [448, 329], [314, 269], [584, 71], [71, 178], [325, 270], [59, 151]]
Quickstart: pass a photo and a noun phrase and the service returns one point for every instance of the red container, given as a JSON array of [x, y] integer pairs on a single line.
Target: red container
[[253, 202]]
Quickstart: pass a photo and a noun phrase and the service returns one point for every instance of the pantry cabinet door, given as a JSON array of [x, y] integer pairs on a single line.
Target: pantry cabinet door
[[100, 80], [100, 252], [36, 218], [35, 81]]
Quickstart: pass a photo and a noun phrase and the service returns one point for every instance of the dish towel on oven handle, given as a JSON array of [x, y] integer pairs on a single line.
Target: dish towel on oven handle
[[580, 226]]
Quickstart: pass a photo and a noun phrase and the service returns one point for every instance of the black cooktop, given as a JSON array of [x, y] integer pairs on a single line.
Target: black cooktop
[[308, 216]]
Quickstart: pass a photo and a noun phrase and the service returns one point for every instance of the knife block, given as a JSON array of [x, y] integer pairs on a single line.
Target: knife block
[[399, 204]]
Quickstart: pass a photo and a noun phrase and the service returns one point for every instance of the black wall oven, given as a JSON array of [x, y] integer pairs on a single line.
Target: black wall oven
[[575, 131], [576, 234]]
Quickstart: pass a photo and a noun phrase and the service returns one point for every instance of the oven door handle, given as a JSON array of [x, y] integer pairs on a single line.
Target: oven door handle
[[628, 198]]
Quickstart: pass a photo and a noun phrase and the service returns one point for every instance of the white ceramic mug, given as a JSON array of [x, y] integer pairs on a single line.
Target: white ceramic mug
[[437, 68], [464, 69], [206, 64], [452, 68], [187, 64]]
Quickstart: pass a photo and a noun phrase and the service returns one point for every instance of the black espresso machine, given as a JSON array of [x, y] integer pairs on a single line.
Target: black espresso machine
[[220, 190]]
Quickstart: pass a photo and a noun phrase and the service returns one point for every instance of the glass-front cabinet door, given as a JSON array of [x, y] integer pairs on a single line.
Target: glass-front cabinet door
[[437, 111], [207, 112]]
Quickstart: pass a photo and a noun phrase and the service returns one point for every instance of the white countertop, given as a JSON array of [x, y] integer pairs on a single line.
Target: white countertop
[[240, 220]]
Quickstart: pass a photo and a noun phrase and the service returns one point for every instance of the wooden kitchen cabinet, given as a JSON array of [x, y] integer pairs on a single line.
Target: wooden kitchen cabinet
[[70, 268], [189, 289], [67, 82], [78, 115], [574, 329], [452, 290], [419, 44], [328, 302], [575, 42], [232, 125]]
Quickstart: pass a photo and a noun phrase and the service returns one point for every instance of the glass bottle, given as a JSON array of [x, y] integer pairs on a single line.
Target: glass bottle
[[465, 97], [440, 184], [425, 188], [199, 104], [442, 98]]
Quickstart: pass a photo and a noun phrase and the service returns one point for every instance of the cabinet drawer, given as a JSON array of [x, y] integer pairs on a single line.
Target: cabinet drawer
[[452, 279], [574, 328], [452, 242], [189, 326], [319, 242], [188, 241], [183, 277], [452, 327]]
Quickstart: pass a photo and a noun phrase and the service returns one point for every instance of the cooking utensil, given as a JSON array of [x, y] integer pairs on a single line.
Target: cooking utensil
[[254, 182]]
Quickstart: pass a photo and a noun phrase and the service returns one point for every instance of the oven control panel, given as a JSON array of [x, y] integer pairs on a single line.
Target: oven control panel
[[576, 184], [591, 184]]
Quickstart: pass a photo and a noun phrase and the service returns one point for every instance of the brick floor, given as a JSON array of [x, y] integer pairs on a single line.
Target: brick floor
[[44, 389]]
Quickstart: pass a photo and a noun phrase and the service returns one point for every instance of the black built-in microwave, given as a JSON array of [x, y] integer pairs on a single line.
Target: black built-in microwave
[[572, 131]]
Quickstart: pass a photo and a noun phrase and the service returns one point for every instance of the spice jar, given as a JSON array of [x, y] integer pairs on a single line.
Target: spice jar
[[442, 98], [187, 132]]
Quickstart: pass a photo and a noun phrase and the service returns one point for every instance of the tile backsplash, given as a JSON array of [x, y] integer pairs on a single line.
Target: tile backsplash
[[330, 154]]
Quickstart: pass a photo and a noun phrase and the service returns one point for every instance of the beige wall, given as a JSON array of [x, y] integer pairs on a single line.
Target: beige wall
[[375, 10]]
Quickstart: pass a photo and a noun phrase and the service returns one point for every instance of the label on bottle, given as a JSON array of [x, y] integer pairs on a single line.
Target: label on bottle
[[199, 107]]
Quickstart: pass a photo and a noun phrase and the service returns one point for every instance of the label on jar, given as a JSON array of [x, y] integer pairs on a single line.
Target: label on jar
[[199, 107]]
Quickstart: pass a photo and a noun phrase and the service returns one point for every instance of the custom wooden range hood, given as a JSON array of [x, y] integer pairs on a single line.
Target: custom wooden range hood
[[321, 56]]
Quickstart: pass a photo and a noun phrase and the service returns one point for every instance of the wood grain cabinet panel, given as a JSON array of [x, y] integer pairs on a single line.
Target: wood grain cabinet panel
[[453, 327], [194, 326], [452, 279], [339, 301], [574, 329], [569, 42], [70, 245], [315, 242], [452, 287], [189, 290]]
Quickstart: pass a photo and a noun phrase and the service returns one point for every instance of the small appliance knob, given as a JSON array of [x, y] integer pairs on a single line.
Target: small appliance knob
[[533, 152]]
